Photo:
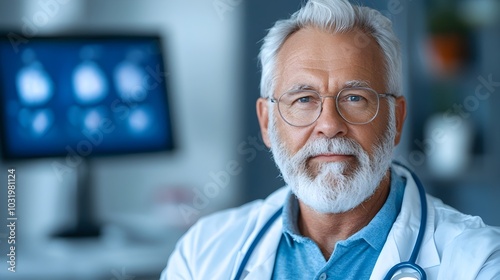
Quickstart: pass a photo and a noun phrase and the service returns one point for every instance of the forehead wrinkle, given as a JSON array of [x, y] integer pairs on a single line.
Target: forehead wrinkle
[[327, 68]]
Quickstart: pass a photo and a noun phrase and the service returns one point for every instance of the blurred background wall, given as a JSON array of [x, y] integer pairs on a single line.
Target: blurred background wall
[[452, 80]]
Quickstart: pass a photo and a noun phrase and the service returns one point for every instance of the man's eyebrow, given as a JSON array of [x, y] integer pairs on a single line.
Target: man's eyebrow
[[348, 84], [356, 83]]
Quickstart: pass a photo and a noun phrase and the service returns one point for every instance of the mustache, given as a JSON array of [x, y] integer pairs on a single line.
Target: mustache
[[341, 146]]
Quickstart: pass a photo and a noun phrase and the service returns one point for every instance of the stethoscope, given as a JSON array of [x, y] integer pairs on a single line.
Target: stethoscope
[[410, 264]]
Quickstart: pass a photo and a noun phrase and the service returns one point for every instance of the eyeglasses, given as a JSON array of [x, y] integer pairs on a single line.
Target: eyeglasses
[[356, 105]]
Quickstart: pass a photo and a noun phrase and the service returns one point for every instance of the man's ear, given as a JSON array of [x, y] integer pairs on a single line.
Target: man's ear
[[263, 116], [400, 117]]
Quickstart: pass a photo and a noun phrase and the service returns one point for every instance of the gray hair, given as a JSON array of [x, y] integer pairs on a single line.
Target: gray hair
[[337, 16]]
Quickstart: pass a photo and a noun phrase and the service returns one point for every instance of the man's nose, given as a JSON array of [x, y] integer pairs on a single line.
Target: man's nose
[[330, 123]]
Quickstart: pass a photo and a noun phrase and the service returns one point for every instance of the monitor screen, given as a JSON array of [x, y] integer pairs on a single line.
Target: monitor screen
[[91, 95]]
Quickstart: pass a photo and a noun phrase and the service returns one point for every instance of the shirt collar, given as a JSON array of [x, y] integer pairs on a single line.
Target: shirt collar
[[375, 233], [290, 220]]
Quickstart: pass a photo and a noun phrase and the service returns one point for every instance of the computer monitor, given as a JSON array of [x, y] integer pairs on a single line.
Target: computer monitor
[[90, 95], [82, 96]]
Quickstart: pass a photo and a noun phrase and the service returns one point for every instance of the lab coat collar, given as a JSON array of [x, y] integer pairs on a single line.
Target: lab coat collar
[[403, 233]]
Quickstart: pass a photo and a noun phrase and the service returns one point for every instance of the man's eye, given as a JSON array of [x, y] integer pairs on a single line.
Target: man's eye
[[354, 98], [304, 99]]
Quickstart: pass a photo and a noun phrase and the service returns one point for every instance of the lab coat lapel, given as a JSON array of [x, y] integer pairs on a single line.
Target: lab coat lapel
[[261, 263], [401, 239]]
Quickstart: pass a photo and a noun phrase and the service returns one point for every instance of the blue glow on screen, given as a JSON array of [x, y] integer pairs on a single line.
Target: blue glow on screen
[[100, 95]]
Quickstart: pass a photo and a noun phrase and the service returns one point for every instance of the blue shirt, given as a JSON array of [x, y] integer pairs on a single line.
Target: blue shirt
[[299, 257]]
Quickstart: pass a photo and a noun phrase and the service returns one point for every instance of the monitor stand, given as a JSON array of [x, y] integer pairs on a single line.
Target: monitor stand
[[85, 225]]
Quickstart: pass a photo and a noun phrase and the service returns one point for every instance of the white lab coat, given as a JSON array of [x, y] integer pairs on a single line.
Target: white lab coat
[[455, 246]]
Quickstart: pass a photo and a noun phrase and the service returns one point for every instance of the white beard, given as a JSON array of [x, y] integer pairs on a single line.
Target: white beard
[[337, 187]]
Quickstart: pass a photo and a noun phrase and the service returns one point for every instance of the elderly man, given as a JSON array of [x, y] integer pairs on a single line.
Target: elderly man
[[331, 111]]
